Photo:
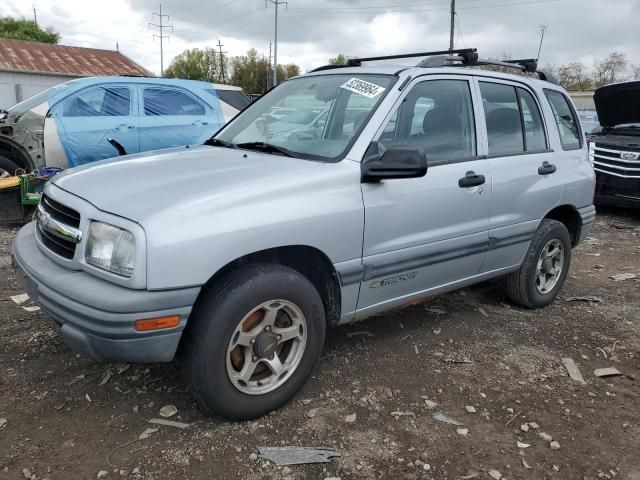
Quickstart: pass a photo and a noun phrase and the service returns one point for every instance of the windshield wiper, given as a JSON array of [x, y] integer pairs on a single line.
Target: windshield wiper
[[266, 147], [216, 142]]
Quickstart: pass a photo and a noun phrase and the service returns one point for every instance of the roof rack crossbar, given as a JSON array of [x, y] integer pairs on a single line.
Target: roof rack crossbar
[[356, 62]]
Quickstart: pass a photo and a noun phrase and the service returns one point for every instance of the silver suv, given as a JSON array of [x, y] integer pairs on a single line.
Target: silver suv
[[422, 180]]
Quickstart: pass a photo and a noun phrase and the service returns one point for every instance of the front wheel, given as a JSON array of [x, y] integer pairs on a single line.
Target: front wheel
[[545, 267], [253, 340]]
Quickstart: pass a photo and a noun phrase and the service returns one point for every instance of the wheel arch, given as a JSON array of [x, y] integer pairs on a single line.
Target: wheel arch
[[569, 216], [13, 151], [309, 261]]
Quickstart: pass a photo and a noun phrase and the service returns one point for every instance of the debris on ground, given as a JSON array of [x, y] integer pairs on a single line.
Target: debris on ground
[[554, 445], [402, 414], [3, 423], [169, 423], [33, 308], [350, 418], [573, 370], [526, 465], [106, 378], [457, 358], [430, 403], [618, 277], [622, 226], [168, 411], [297, 455], [522, 445], [19, 299], [470, 409], [441, 417], [496, 475], [524, 427], [462, 431], [585, 298], [470, 474], [147, 433], [606, 372], [358, 334], [102, 473], [545, 436]]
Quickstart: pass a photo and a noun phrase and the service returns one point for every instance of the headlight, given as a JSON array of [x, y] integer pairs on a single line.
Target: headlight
[[111, 248]]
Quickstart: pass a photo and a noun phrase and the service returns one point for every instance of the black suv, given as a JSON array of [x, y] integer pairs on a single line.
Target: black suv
[[615, 150]]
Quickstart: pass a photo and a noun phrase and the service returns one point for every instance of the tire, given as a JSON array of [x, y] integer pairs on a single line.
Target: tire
[[8, 166], [224, 311], [523, 286]]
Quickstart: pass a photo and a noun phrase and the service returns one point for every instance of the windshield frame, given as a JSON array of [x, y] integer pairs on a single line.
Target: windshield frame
[[394, 77]]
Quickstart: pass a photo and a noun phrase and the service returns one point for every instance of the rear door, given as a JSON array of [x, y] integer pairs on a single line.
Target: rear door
[[87, 119], [171, 117], [423, 233], [526, 172]]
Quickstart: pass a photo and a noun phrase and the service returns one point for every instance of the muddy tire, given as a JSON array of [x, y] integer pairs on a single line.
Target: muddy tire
[[252, 341], [544, 269]]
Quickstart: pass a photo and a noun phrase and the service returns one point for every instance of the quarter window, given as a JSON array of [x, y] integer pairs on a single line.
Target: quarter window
[[99, 102], [164, 101], [534, 135], [565, 119], [437, 116]]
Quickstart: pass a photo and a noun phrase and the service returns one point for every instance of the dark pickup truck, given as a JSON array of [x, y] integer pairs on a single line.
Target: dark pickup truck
[[615, 149]]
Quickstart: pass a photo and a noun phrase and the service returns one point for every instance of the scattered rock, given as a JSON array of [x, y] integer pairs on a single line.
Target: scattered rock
[[437, 331], [441, 417], [430, 404], [286, 471], [3, 423], [168, 411], [554, 445], [556, 468], [102, 473], [253, 457], [496, 475], [470, 474], [470, 409], [522, 445], [606, 372], [545, 436], [462, 431], [306, 401], [26, 472], [524, 427], [105, 379], [457, 358], [534, 425], [312, 413], [350, 418]]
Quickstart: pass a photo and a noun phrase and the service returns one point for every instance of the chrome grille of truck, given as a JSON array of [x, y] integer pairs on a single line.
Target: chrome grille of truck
[[56, 242], [615, 160]]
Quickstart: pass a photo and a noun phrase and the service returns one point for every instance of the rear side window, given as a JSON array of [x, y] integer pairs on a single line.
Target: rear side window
[[99, 102], [534, 136], [565, 119], [502, 114], [164, 101]]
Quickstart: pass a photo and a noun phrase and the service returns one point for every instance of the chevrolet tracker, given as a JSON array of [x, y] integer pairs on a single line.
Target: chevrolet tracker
[[418, 181]]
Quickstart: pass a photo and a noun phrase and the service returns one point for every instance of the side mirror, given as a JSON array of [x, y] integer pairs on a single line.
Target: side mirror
[[396, 162]]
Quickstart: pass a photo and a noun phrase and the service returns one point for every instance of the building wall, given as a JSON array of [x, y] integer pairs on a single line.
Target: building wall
[[583, 99], [16, 86]]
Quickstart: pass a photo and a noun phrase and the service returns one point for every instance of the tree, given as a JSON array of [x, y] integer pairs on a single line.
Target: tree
[[574, 76], [635, 72], [253, 72], [23, 29], [340, 59], [610, 69], [197, 64]]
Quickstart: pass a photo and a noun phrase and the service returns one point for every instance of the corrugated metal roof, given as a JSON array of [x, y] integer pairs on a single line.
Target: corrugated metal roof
[[47, 58]]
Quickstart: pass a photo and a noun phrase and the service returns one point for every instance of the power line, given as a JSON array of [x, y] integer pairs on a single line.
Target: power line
[[543, 29], [161, 28]]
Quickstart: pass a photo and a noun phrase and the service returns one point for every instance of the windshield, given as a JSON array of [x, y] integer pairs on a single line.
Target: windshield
[[31, 102], [348, 100]]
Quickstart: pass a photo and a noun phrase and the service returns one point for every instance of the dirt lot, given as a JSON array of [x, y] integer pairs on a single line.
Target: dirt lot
[[60, 420]]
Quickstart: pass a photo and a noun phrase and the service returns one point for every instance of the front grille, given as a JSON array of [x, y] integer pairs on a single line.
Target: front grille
[[63, 214], [608, 159]]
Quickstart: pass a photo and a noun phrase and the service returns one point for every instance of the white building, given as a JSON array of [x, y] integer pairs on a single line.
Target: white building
[[27, 68]]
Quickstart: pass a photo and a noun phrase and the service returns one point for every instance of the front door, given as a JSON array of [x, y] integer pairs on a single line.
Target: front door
[[86, 120], [427, 232]]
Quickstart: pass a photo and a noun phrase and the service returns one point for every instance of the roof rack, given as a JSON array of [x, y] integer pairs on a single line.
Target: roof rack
[[466, 57]]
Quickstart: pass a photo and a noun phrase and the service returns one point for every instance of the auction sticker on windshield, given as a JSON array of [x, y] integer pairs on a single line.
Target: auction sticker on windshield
[[362, 87]]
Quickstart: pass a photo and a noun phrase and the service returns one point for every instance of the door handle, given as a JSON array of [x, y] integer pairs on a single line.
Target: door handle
[[122, 126], [199, 122], [546, 168], [471, 179]]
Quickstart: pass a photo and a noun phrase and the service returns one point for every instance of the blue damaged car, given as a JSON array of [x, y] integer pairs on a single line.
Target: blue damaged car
[[96, 118]]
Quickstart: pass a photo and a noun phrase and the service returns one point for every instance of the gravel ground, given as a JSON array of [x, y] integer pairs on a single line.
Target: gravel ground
[[64, 417]]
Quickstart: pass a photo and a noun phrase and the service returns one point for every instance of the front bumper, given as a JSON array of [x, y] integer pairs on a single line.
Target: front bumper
[[617, 191], [97, 317]]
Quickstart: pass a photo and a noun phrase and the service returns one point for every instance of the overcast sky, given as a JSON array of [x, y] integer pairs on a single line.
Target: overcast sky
[[312, 31]]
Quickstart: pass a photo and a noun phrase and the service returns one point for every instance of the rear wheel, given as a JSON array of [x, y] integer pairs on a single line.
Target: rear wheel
[[541, 276], [7, 167], [253, 340]]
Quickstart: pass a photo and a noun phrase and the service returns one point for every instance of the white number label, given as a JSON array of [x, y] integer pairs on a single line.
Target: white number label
[[362, 87]]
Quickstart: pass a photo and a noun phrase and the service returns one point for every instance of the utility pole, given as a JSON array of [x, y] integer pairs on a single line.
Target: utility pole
[[35, 15], [220, 45], [269, 69], [275, 39], [543, 29], [161, 26], [452, 27]]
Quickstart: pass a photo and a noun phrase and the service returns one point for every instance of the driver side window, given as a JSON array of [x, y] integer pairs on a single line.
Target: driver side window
[[437, 116], [99, 102]]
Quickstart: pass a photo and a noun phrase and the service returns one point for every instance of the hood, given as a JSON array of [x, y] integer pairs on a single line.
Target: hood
[[139, 186], [618, 103]]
